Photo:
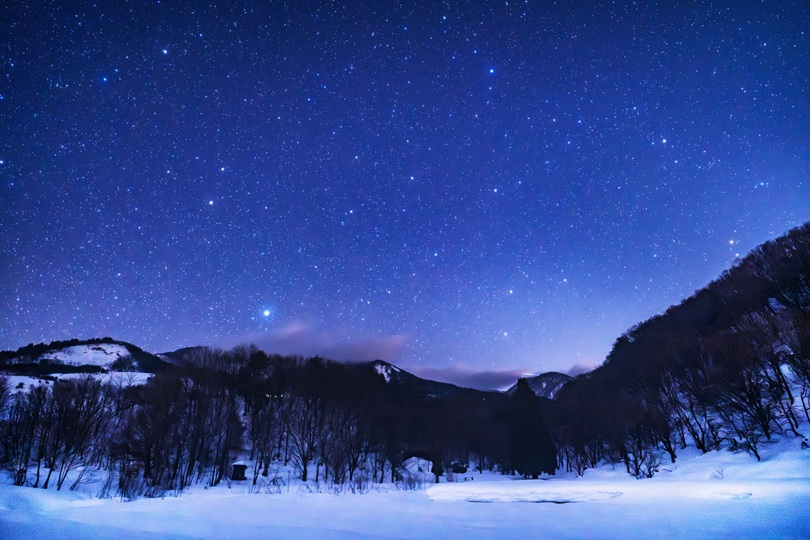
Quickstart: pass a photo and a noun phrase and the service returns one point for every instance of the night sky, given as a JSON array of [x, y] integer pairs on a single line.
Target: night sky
[[496, 187]]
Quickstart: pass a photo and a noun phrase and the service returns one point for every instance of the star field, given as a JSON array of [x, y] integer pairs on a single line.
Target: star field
[[451, 186]]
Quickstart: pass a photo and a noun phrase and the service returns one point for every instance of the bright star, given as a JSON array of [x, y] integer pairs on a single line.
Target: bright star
[[266, 313]]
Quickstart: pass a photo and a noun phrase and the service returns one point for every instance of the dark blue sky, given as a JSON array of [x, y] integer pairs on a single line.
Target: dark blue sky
[[453, 187]]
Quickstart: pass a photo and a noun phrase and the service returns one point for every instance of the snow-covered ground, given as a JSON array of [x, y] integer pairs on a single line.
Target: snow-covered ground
[[117, 378], [719, 495], [101, 354]]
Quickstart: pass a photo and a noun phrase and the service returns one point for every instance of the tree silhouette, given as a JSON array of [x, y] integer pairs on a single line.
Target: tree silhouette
[[531, 451]]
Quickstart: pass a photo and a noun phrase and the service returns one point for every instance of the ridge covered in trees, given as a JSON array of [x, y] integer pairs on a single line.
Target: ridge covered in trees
[[727, 367]]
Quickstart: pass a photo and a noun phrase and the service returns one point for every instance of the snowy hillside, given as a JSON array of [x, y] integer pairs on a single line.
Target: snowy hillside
[[76, 356], [116, 378], [116, 362], [102, 355], [385, 370]]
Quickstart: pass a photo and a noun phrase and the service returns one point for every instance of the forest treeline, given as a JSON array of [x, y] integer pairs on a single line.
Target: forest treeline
[[729, 367], [342, 423]]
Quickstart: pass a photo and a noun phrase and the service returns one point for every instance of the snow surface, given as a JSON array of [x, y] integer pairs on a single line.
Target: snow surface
[[102, 354], [718, 495], [385, 370], [117, 378]]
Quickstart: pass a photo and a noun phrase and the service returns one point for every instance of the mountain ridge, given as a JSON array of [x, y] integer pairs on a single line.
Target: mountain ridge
[[98, 355], [545, 385]]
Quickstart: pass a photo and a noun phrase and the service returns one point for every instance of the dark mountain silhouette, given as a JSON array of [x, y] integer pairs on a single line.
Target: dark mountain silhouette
[[409, 382], [545, 385]]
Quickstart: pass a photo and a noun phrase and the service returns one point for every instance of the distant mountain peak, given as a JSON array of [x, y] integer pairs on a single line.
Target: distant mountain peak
[[545, 385], [385, 369], [408, 382]]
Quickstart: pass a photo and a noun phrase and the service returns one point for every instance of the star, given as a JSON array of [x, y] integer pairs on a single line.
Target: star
[[405, 180]]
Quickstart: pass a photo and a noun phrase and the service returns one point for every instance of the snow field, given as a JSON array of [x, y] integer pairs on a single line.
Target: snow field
[[102, 355], [117, 378], [717, 495]]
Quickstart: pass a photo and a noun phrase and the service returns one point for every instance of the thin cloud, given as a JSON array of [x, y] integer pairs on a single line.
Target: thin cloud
[[467, 378], [306, 340], [578, 369]]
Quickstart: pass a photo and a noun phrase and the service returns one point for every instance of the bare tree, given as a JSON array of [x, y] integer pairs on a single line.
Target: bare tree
[[24, 416], [305, 427]]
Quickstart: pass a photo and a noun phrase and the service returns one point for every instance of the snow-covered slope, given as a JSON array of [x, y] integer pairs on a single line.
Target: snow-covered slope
[[385, 369], [408, 381], [101, 355], [117, 362], [116, 378]]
